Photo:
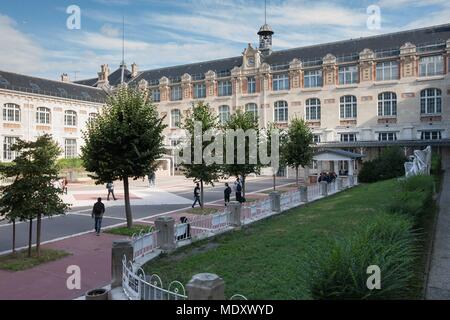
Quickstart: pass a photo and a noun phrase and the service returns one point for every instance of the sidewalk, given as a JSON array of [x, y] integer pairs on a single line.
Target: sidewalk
[[438, 286]]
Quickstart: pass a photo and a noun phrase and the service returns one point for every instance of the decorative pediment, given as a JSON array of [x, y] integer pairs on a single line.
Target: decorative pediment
[[329, 59], [295, 64], [210, 75], [143, 84], [408, 48], [251, 58], [448, 45], [265, 68], [186, 77], [250, 50], [236, 71], [164, 81], [366, 54]]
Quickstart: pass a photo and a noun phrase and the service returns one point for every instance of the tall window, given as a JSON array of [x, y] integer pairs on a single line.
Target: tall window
[[175, 118], [387, 104], [431, 66], [387, 136], [281, 111], [388, 70], [156, 95], [224, 114], [43, 115], [252, 108], [251, 85], [431, 135], [11, 112], [313, 109], [348, 75], [431, 101], [199, 90], [348, 107], [70, 118], [176, 93], [316, 138], [280, 82], [225, 88], [70, 148], [8, 154], [313, 78], [348, 137]]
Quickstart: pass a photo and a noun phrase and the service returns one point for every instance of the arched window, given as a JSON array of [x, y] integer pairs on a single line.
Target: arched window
[[70, 118], [348, 107], [43, 115], [430, 101], [252, 108], [387, 104], [313, 109], [224, 114], [11, 112], [175, 118], [281, 111]]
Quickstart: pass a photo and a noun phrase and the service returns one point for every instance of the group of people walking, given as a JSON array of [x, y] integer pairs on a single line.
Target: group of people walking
[[327, 177], [237, 188]]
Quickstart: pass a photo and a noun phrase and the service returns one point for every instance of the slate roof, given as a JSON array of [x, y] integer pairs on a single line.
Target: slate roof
[[114, 78], [340, 152], [19, 82]]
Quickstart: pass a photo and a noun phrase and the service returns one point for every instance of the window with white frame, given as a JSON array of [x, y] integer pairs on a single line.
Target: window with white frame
[[11, 112], [281, 111], [348, 137], [199, 90], [316, 138], [388, 70], [431, 135], [176, 93], [251, 85], [225, 88], [252, 108], [387, 136], [70, 118], [387, 104], [348, 75], [348, 107], [280, 82], [224, 114], [70, 148], [43, 115], [156, 95], [175, 118], [8, 154], [92, 116], [312, 78], [312, 109], [431, 101], [431, 66]]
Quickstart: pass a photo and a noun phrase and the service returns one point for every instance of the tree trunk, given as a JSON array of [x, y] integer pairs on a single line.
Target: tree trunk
[[128, 214], [38, 235], [30, 236], [243, 186], [201, 194], [274, 183], [296, 176], [14, 236]]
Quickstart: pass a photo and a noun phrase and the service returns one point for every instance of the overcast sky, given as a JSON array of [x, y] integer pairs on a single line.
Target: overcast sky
[[36, 41]]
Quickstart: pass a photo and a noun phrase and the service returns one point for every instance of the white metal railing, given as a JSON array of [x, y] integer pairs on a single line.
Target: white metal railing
[[313, 191], [201, 226], [290, 199], [144, 243], [137, 286], [256, 210]]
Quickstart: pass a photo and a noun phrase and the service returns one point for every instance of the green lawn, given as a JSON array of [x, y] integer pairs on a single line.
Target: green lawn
[[262, 261], [20, 261], [124, 231]]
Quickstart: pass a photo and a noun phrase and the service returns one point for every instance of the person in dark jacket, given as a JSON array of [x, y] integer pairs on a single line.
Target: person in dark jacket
[[97, 213], [239, 193], [227, 193], [197, 195]]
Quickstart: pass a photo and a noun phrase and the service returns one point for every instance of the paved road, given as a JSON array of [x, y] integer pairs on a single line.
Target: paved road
[[79, 221]]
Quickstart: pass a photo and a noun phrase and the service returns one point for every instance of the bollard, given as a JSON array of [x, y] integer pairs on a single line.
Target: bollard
[[303, 194], [120, 248], [166, 233], [275, 201], [235, 208], [323, 188], [206, 286]]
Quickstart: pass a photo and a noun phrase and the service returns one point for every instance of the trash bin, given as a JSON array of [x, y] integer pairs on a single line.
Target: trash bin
[[97, 294]]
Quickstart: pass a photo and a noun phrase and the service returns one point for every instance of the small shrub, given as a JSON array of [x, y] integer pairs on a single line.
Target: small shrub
[[340, 271], [390, 164], [436, 164], [75, 163]]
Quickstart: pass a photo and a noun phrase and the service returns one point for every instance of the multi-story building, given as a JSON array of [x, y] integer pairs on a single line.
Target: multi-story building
[[360, 95]]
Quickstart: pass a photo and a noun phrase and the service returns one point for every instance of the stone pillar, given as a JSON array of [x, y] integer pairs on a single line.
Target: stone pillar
[[235, 208], [275, 201], [339, 183], [206, 286], [323, 188], [166, 233], [303, 194], [120, 248]]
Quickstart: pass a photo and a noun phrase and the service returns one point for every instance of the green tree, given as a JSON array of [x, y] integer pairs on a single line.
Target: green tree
[[296, 146], [271, 127], [206, 173], [125, 141], [32, 193], [244, 122]]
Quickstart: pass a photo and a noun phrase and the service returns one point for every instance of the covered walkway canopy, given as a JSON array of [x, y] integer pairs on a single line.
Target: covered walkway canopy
[[342, 162]]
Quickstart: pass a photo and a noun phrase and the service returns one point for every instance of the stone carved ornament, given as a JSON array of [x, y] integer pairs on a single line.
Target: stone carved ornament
[[420, 163]]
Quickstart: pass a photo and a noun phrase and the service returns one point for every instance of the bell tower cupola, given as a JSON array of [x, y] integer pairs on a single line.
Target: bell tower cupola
[[265, 35]]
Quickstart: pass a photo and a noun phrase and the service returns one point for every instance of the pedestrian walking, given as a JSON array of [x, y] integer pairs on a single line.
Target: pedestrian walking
[[65, 182], [97, 214], [239, 193], [227, 193], [197, 195], [110, 187]]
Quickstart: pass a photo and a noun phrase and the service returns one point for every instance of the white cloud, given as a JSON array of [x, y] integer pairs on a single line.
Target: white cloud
[[109, 31]]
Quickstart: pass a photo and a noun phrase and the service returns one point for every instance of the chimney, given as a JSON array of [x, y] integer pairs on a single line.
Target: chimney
[[103, 75], [65, 77], [134, 70]]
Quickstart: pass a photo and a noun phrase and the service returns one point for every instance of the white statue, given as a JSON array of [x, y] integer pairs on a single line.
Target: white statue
[[420, 163]]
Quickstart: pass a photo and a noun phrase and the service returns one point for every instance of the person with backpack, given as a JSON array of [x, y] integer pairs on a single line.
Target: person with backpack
[[110, 187], [97, 214], [227, 193], [197, 195]]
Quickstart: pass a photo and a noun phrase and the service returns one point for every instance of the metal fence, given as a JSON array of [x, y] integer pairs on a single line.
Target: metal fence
[[256, 210], [332, 187], [313, 191], [138, 286], [144, 243], [290, 199]]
